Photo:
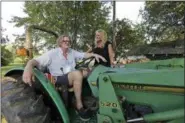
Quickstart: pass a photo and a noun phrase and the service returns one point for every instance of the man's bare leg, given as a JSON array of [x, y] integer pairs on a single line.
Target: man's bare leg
[[75, 79]]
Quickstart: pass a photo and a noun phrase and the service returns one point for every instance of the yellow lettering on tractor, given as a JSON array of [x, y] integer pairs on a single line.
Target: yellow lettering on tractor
[[149, 88]]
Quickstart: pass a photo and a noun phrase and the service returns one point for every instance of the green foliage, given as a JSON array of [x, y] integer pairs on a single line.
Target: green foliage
[[80, 19], [163, 20], [4, 39], [127, 36], [6, 56]]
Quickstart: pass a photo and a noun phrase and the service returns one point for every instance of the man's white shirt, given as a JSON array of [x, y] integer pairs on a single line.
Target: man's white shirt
[[57, 63]]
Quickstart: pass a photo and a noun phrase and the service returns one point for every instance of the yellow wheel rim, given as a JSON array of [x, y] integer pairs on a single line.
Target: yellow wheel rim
[[3, 119]]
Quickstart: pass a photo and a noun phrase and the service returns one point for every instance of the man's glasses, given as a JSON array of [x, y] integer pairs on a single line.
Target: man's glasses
[[65, 41]]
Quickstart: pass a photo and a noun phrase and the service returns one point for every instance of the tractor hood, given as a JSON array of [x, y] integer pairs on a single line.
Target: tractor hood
[[151, 76]]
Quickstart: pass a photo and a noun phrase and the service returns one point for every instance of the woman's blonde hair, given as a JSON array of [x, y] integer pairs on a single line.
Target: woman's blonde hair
[[61, 38], [104, 36]]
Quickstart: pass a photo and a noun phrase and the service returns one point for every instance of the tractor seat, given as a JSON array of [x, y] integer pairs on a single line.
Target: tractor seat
[[52, 80]]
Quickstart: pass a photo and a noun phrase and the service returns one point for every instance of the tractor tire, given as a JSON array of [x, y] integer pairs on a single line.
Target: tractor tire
[[20, 104]]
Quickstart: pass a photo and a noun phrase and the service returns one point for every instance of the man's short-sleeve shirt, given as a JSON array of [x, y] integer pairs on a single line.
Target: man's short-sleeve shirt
[[57, 63]]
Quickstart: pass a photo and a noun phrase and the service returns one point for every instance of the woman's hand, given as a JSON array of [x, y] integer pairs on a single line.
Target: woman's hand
[[113, 64], [97, 57]]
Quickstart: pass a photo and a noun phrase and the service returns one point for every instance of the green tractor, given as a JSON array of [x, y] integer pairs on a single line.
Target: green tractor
[[136, 93]]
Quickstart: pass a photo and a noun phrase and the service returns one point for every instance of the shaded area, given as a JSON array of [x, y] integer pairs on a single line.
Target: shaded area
[[159, 50], [76, 119], [173, 47]]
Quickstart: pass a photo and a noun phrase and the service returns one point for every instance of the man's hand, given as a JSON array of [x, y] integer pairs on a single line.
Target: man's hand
[[28, 76], [97, 57]]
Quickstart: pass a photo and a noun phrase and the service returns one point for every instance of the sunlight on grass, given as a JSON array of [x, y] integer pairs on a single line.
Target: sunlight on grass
[[3, 120]]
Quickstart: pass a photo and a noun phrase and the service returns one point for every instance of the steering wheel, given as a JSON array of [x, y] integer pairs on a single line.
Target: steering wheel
[[84, 63]]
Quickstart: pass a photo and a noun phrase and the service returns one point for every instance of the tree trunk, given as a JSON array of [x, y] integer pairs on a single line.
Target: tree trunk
[[29, 42]]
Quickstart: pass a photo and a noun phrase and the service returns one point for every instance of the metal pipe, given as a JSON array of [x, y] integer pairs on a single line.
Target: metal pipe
[[167, 115], [113, 25], [162, 116], [135, 120]]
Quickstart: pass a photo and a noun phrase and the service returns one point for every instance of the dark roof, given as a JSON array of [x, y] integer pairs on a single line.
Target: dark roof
[[173, 47]]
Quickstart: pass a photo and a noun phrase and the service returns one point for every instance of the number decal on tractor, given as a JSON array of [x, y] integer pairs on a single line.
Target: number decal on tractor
[[108, 104]]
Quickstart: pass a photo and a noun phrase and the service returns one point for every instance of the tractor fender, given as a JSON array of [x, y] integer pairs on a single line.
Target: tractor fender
[[14, 72], [17, 72], [45, 82]]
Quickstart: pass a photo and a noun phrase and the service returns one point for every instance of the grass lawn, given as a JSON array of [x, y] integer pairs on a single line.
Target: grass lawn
[[4, 69]]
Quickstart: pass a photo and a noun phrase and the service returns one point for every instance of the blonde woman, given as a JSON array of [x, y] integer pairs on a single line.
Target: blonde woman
[[103, 48]]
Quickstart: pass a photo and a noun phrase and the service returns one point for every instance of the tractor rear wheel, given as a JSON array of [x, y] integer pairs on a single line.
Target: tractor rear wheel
[[20, 104]]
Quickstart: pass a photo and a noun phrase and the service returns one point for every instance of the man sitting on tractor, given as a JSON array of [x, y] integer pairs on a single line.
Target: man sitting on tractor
[[61, 64]]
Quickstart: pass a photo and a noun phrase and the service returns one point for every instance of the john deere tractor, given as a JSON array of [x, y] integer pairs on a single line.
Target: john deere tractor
[[147, 92]]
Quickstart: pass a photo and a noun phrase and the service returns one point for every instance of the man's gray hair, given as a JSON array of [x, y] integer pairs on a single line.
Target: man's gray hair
[[60, 38]]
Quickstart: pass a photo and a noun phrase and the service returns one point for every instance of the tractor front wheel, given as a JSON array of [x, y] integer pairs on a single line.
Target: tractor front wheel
[[20, 104]]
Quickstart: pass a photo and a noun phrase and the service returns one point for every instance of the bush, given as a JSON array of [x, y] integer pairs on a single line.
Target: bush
[[6, 56]]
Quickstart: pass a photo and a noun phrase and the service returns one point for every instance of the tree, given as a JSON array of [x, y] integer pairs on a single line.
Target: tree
[[4, 39], [127, 35], [6, 56], [79, 19], [163, 20]]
